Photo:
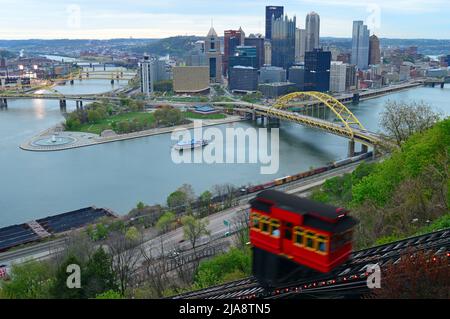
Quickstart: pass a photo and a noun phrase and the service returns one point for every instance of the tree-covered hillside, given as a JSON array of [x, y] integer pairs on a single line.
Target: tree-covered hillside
[[177, 46], [401, 195]]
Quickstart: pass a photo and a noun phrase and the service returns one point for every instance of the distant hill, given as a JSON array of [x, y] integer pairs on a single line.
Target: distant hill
[[39, 44], [177, 46], [425, 46]]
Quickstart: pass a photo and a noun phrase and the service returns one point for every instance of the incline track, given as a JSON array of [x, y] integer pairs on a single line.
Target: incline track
[[349, 276]]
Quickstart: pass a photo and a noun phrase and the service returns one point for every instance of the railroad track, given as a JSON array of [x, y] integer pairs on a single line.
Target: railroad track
[[350, 276]]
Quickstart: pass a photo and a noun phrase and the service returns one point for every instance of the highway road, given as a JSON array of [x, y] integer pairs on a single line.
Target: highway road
[[171, 240]]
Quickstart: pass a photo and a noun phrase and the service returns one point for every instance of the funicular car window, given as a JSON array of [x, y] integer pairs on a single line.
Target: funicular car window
[[264, 224], [321, 243], [310, 239], [298, 237], [255, 220], [275, 227]]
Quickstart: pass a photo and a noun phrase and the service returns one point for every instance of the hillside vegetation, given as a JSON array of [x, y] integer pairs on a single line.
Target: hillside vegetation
[[401, 195], [174, 46]]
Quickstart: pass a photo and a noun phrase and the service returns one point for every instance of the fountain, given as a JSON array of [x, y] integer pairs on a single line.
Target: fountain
[[53, 140]]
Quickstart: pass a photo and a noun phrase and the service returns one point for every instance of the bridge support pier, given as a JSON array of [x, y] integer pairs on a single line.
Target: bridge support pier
[[79, 105], [442, 85], [71, 81], [351, 148], [112, 81], [3, 103], [273, 121], [254, 115], [62, 104]]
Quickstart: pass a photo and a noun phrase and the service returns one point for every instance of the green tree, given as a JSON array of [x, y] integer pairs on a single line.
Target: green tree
[[98, 276], [167, 116], [93, 116], [183, 196], [400, 120], [132, 233], [176, 199], [72, 122], [165, 222], [140, 206], [222, 267], [30, 280], [194, 229], [205, 202], [59, 288]]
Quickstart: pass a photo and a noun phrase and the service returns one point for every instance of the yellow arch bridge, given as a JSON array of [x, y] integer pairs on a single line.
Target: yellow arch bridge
[[321, 111]]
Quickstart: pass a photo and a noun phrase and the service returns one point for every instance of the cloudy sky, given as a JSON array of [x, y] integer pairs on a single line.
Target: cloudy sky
[[104, 19]]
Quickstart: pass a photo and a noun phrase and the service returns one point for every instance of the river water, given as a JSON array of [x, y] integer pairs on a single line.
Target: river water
[[120, 174]]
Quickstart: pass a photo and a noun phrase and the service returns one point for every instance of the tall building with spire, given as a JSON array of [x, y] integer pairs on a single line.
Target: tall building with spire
[[283, 42], [214, 56], [360, 45], [312, 31], [374, 50]]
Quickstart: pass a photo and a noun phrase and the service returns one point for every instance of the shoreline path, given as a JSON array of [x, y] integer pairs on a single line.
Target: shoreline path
[[82, 139]]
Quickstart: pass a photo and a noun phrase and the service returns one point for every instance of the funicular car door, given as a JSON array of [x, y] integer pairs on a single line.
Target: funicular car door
[[286, 238]]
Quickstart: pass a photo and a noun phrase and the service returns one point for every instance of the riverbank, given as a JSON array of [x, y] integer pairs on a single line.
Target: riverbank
[[80, 139]]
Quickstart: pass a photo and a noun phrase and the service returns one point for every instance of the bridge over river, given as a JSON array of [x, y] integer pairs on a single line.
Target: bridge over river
[[317, 110]]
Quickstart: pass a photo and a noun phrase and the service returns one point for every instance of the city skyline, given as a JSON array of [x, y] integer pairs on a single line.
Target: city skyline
[[83, 19]]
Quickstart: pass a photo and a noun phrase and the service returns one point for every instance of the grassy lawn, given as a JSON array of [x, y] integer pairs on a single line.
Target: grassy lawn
[[192, 115], [142, 117], [185, 99], [106, 123]]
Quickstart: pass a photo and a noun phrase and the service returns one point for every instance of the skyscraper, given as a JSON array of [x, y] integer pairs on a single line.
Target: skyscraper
[[243, 79], [300, 45], [275, 12], [283, 42], [351, 77], [312, 31], [214, 56], [258, 42], [197, 56], [147, 75], [374, 50], [317, 70], [231, 39], [338, 73], [245, 56], [360, 45]]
